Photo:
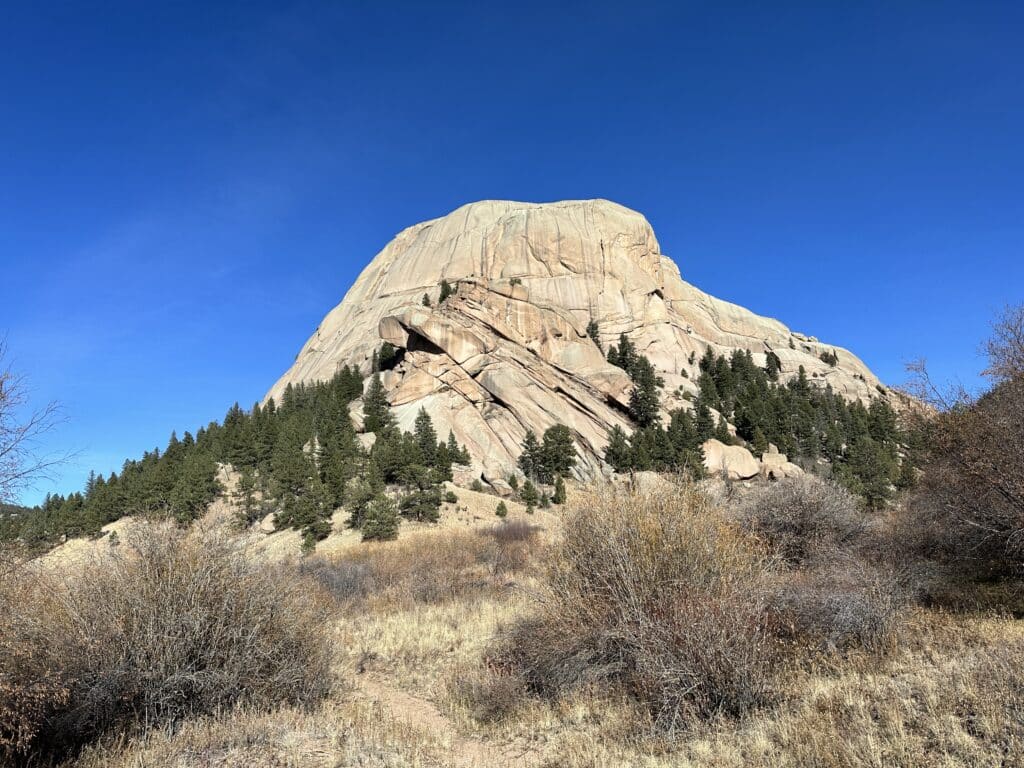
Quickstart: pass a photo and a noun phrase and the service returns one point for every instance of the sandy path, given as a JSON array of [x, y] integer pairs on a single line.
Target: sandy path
[[423, 715]]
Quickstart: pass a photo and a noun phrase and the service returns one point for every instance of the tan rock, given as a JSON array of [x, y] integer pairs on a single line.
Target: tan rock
[[775, 466], [463, 475], [733, 462], [509, 350], [355, 414]]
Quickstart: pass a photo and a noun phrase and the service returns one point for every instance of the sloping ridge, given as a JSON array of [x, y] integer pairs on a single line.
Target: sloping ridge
[[510, 352]]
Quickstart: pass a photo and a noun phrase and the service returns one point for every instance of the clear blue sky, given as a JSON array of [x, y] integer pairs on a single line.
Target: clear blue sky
[[185, 191]]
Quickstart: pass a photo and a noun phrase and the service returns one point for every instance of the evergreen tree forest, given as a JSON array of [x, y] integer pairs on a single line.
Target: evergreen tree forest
[[807, 422], [299, 458], [653, 446]]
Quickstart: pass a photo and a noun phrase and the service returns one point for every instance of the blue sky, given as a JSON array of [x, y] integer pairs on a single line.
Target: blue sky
[[186, 190]]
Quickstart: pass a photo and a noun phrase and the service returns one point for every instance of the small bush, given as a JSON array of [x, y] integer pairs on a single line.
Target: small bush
[[653, 596], [514, 544], [166, 626], [490, 695], [501, 510], [451, 498], [841, 603], [799, 516], [422, 568]]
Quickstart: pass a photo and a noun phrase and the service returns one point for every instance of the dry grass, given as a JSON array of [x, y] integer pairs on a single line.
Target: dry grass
[[356, 733], [427, 568]]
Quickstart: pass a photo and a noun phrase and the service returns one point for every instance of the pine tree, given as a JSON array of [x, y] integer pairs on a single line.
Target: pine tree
[[459, 454], [870, 470], [704, 421], [446, 291], [195, 487], [380, 522], [760, 442], [722, 433], [613, 356], [529, 493], [501, 510], [388, 356], [627, 353], [618, 453], [531, 460], [643, 400], [773, 366], [559, 495], [558, 453], [426, 300], [361, 491], [245, 498], [426, 437], [376, 412], [422, 500]]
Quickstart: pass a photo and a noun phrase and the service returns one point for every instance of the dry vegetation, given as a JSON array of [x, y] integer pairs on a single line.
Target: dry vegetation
[[657, 630], [164, 626]]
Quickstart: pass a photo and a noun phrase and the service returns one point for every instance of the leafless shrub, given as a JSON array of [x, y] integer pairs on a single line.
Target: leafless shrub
[[345, 579], [513, 532], [491, 694], [513, 545], [653, 596], [967, 511], [168, 626], [800, 516], [1005, 348], [840, 602]]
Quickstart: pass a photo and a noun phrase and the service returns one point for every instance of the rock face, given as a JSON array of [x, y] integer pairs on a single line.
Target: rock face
[[509, 351]]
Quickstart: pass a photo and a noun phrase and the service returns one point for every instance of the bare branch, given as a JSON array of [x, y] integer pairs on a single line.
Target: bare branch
[[21, 430], [1005, 349]]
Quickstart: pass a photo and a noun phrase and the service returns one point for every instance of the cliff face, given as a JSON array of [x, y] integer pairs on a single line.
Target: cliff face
[[509, 351]]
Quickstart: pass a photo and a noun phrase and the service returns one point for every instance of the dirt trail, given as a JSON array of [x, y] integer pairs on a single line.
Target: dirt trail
[[422, 714]]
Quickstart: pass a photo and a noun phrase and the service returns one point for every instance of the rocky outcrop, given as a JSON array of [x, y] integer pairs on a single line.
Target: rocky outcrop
[[509, 351], [731, 462], [776, 466]]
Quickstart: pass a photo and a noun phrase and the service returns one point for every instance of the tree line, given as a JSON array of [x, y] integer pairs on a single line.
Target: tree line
[[300, 458]]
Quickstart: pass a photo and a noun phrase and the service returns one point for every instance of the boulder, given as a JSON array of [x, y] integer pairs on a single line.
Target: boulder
[[734, 462], [463, 475], [355, 414], [268, 524], [775, 466]]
